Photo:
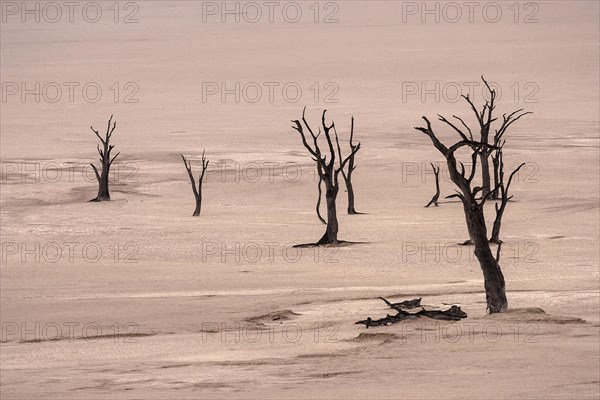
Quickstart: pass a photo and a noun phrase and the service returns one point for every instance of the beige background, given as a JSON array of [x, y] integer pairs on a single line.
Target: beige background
[[178, 288]]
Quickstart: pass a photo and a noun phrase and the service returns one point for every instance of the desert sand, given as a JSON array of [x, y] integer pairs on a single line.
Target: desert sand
[[135, 298]]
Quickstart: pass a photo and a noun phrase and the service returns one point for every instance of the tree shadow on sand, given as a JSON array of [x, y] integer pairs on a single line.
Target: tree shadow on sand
[[340, 243]]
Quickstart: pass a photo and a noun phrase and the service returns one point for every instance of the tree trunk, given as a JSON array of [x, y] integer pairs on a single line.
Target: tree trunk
[[494, 284], [197, 192], [102, 178], [485, 172], [198, 205], [351, 209], [318, 207], [330, 236], [103, 193], [497, 222], [496, 165]]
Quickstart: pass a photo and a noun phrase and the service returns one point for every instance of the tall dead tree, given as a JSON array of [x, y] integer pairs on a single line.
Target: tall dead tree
[[473, 208], [105, 161], [351, 167], [503, 189], [436, 196], [197, 191], [327, 169]]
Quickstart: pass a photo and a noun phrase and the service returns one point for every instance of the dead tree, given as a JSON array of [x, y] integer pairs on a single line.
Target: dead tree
[[351, 167], [503, 189], [436, 196], [499, 141], [105, 161], [197, 191], [327, 169], [474, 215]]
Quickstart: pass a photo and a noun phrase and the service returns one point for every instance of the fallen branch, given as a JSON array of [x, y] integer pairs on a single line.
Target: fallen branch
[[454, 313]]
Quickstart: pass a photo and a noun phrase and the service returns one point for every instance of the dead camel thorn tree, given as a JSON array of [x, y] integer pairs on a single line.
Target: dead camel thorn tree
[[105, 161], [505, 197], [327, 169], [351, 167], [499, 142], [474, 214], [347, 178], [436, 196], [197, 191]]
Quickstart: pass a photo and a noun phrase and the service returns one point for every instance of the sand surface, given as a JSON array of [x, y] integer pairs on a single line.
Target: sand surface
[[134, 298]]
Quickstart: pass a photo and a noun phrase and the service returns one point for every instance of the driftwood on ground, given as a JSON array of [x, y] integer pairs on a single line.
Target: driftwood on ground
[[454, 313]]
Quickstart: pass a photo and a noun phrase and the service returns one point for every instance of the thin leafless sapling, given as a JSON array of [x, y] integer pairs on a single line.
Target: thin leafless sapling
[[351, 167], [499, 142], [197, 191], [105, 161], [505, 198]]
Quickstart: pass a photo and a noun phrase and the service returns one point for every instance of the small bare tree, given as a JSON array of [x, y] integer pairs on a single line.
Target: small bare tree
[[327, 169], [436, 196], [351, 167], [499, 141], [473, 208], [105, 161], [503, 189], [197, 191]]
